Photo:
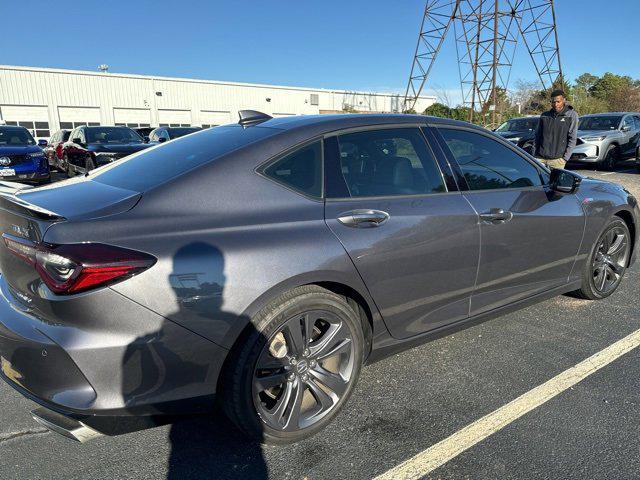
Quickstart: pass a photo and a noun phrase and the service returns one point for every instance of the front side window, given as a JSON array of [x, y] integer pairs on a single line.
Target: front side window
[[112, 135], [487, 164], [627, 122], [599, 122], [300, 170], [388, 162]]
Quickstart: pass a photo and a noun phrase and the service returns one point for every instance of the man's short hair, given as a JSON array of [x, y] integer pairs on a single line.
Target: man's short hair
[[557, 93]]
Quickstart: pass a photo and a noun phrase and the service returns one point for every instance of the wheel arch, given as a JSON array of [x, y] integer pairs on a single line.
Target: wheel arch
[[627, 218]]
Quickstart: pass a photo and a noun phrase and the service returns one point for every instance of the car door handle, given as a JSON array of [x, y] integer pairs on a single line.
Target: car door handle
[[363, 218], [496, 216]]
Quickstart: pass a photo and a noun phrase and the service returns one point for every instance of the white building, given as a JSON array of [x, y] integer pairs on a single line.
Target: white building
[[45, 100]]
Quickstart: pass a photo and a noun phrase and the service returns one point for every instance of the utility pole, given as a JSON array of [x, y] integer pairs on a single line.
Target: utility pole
[[488, 42]]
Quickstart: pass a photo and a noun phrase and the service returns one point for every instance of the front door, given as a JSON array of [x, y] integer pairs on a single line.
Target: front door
[[414, 241], [530, 235]]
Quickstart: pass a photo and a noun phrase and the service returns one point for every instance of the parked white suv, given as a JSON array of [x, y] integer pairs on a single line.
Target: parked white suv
[[606, 138]]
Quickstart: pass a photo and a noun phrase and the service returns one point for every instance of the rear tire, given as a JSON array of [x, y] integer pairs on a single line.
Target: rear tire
[[604, 269], [277, 393]]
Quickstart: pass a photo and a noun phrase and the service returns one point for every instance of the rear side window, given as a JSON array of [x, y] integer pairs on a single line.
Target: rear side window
[[148, 168], [388, 162], [300, 170], [487, 164]]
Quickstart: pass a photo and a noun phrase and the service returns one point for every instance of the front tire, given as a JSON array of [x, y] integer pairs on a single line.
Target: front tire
[[610, 159], [605, 267], [290, 375]]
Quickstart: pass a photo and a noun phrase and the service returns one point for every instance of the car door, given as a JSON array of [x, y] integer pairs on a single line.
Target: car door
[[411, 234], [530, 235], [627, 142]]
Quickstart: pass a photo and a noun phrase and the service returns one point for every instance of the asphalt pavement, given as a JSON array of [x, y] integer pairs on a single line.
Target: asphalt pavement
[[403, 405]]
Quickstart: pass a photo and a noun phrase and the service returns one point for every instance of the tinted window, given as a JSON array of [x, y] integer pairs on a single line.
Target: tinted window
[[112, 135], [180, 132], [599, 122], [15, 136], [519, 125], [148, 168], [388, 162], [627, 122], [300, 170], [487, 164]]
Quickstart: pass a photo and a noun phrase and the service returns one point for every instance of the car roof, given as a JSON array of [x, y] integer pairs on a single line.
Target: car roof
[[13, 127], [609, 114], [319, 124]]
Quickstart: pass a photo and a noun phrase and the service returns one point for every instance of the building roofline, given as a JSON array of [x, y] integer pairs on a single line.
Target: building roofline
[[196, 80]]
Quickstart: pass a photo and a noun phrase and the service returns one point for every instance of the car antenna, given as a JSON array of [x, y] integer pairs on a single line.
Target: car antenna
[[252, 117]]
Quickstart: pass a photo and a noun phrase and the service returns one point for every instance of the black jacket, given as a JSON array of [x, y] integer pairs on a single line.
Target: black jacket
[[557, 134]]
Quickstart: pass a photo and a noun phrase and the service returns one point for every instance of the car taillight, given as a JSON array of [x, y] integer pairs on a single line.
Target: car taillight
[[75, 268]]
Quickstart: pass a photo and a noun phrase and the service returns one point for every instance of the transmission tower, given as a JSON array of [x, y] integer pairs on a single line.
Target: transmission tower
[[486, 34]]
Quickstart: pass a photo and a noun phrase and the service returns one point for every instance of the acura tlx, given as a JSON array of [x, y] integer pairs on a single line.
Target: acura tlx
[[259, 265]]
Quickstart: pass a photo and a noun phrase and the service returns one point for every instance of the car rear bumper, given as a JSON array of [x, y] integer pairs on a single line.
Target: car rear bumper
[[95, 368]]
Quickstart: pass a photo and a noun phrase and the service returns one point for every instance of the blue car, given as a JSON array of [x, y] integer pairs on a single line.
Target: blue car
[[21, 158]]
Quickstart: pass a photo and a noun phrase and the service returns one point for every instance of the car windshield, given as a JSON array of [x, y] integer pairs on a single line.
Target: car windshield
[[180, 132], [18, 137], [112, 135], [519, 125], [599, 122], [149, 168]]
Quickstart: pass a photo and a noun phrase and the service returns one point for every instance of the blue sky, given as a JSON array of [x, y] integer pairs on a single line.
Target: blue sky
[[348, 44]]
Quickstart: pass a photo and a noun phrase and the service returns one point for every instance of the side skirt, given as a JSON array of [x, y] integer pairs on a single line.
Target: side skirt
[[389, 346]]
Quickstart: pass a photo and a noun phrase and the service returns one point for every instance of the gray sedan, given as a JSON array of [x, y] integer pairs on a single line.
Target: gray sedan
[[261, 265], [606, 138]]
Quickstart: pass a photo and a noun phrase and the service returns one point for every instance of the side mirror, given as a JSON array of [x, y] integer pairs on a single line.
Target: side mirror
[[42, 142], [564, 181], [626, 128], [162, 139]]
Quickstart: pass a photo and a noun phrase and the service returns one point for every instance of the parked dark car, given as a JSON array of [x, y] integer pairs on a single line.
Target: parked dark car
[[164, 134], [92, 147], [53, 151], [143, 132], [21, 157], [520, 131], [262, 264]]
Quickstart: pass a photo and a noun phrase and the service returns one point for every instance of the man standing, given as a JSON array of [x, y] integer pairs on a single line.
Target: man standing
[[557, 132]]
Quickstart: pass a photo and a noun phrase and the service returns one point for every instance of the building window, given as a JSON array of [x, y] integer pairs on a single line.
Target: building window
[[72, 125], [37, 129], [315, 99], [207, 125]]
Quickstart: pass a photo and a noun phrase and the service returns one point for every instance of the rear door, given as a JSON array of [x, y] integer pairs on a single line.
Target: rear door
[[530, 235], [412, 236], [628, 128]]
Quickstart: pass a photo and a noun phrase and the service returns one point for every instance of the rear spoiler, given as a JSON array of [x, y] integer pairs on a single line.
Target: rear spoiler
[[11, 203]]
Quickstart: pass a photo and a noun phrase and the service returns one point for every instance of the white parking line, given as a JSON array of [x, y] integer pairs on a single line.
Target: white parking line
[[449, 448]]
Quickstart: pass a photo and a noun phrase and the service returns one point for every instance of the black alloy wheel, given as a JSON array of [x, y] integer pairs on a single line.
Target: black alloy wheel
[[608, 262], [303, 371], [295, 367]]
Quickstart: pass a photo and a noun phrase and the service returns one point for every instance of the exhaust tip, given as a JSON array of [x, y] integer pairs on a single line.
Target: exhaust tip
[[65, 426]]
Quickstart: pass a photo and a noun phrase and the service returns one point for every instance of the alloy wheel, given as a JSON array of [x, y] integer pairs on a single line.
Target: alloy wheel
[[610, 260], [303, 371]]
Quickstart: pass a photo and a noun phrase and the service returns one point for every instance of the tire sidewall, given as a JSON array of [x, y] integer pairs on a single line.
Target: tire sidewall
[[269, 321]]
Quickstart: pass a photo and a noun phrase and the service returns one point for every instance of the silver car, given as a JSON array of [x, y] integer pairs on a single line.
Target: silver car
[[606, 138]]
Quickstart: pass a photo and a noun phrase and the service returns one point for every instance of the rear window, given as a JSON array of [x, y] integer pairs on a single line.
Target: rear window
[[146, 169]]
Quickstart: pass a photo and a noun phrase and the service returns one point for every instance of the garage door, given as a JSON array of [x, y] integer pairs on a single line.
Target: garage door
[[34, 119], [174, 118], [132, 117], [212, 118], [72, 117]]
